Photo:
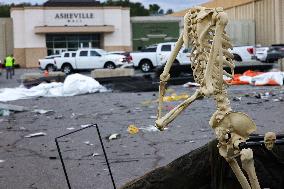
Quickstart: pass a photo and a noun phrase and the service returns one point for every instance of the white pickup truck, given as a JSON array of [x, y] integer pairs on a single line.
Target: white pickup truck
[[89, 59], [243, 53], [157, 55], [47, 63]]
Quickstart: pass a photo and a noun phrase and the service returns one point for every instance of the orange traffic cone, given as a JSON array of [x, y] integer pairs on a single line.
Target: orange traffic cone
[[45, 73]]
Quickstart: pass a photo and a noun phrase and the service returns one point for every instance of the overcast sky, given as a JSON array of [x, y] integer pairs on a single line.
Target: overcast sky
[[165, 4]]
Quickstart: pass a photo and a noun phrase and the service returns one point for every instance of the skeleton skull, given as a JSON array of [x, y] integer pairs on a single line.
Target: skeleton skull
[[269, 140]]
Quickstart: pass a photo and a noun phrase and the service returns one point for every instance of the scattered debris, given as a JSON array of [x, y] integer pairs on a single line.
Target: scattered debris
[[113, 136], [138, 109], [77, 116], [175, 97], [59, 117], [278, 100], [84, 126], [46, 112], [191, 141], [75, 84], [257, 78], [237, 98], [132, 129], [88, 143], [95, 154], [191, 84], [70, 128], [35, 135], [254, 103], [14, 108], [4, 112]]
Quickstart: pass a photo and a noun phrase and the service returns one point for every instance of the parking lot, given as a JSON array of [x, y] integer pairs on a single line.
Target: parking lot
[[34, 162]]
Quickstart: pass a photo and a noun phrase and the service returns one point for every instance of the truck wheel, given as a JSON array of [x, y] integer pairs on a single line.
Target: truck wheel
[[67, 69], [146, 66], [109, 65], [237, 57], [49, 68]]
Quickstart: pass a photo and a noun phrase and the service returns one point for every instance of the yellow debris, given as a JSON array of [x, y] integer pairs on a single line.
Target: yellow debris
[[132, 129], [175, 97]]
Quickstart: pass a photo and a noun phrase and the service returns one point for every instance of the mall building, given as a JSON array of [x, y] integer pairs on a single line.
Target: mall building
[[67, 25]]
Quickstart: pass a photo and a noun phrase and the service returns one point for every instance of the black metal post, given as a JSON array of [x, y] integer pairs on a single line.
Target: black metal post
[[106, 157]]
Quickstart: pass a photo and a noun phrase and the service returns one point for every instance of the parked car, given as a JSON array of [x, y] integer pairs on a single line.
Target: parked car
[[157, 55], [243, 53], [88, 59], [47, 63], [270, 54]]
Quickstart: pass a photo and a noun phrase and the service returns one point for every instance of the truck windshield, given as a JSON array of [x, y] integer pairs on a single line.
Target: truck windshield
[[101, 51]]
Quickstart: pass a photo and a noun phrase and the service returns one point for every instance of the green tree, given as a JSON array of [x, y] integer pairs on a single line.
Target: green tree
[[136, 9], [169, 11], [154, 9], [4, 10]]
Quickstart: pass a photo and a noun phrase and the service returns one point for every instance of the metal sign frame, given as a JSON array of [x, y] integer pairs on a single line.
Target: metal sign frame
[[102, 145]]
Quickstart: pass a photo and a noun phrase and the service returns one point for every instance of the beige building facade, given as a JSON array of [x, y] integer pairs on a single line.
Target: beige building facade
[[40, 30], [6, 37], [267, 15]]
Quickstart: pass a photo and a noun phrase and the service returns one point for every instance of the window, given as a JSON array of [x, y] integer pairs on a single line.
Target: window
[[150, 49], [66, 55], [72, 41], [166, 48], [83, 53], [73, 54], [94, 53]]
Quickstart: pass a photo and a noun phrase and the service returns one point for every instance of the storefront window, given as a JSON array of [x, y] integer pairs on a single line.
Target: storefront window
[[62, 42]]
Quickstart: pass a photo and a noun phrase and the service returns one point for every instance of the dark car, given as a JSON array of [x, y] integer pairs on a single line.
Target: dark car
[[275, 52]]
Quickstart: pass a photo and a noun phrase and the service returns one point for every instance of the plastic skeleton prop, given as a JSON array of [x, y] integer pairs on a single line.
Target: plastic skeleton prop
[[205, 30]]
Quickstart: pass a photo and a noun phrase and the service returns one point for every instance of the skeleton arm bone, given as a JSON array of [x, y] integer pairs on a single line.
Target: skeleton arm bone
[[165, 76], [161, 123]]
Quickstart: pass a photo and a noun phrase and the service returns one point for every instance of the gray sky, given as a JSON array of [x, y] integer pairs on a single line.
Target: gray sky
[[165, 4]]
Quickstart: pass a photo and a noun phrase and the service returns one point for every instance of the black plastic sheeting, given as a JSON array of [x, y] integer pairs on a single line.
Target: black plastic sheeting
[[204, 168]]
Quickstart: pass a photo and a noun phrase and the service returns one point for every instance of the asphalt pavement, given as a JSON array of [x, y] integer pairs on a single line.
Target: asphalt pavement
[[34, 162]]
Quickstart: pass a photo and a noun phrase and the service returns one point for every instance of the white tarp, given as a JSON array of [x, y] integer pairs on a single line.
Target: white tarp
[[74, 84], [264, 78]]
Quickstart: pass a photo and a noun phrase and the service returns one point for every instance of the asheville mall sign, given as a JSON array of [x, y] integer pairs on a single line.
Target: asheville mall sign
[[74, 17]]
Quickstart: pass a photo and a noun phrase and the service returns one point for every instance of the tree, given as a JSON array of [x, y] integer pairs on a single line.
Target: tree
[[169, 11], [161, 12], [154, 9], [4, 10], [136, 9]]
